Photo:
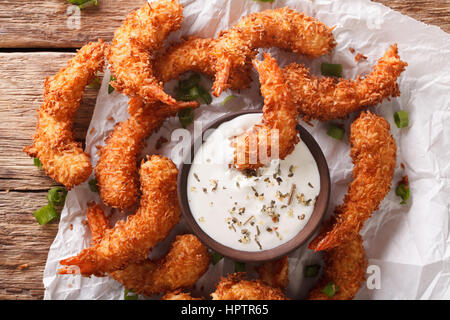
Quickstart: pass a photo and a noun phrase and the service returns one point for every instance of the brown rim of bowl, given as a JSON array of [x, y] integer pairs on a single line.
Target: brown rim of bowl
[[258, 256]]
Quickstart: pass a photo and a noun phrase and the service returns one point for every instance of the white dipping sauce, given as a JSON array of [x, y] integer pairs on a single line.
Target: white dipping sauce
[[250, 213]]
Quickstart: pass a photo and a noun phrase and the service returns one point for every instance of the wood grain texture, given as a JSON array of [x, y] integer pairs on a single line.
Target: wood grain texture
[[23, 187], [48, 23]]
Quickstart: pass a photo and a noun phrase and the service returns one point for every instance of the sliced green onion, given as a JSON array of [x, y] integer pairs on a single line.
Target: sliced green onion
[[37, 163], [331, 70], [204, 95], [186, 116], [401, 118], [335, 131], [130, 295], [330, 289], [190, 82], [110, 87], [215, 258], [403, 192], [311, 271], [239, 266], [93, 185], [84, 3], [229, 98], [45, 214], [56, 196]]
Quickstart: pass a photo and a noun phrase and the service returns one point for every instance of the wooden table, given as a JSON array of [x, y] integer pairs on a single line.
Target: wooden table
[[35, 41]]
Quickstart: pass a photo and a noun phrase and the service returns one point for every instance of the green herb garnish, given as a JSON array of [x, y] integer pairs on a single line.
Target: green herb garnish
[[401, 119], [84, 3], [335, 131], [403, 192], [130, 295], [330, 289], [191, 90], [229, 98], [215, 258], [45, 214], [93, 185], [186, 116], [37, 163], [331, 70], [110, 87], [311, 271], [56, 196]]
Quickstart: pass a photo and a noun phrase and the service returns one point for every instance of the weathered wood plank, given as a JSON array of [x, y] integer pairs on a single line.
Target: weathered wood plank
[[49, 23], [27, 71], [23, 241]]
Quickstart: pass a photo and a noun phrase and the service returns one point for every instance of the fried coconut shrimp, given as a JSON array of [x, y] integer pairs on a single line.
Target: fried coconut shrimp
[[235, 288], [116, 170], [328, 98], [275, 273], [278, 127], [54, 144], [194, 54], [187, 260], [130, 241], [283, 28], [373, 152], [345, 269], [134, 44]]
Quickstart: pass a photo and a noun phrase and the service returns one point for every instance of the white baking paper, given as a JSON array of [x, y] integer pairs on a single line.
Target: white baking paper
[[408, 244]]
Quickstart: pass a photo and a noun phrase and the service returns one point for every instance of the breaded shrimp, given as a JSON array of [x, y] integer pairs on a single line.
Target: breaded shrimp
[[328, 98], [194, 54], [187, 260], [116, 170], [278, 127], [134, 44], [283, 28], [373, 153], [178, 295], [235, 288], [345, 268], [54, 144], [130, 241], [275, 273]]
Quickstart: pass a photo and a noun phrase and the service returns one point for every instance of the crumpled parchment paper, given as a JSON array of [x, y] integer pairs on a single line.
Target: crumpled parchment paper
[[408, 244]]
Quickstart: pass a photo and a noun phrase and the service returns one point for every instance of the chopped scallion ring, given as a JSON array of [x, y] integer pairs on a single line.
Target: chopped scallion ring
[[335, 131], [56, 196], [215, 258], [229, 98], [204, 95], [401, 119], [37, 163], [186, 116], [330, 289], [84, 3], [403, 192], [45, 214], [110, 87], [331, 70], [93, 185], [130, 295], [311, 271]]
